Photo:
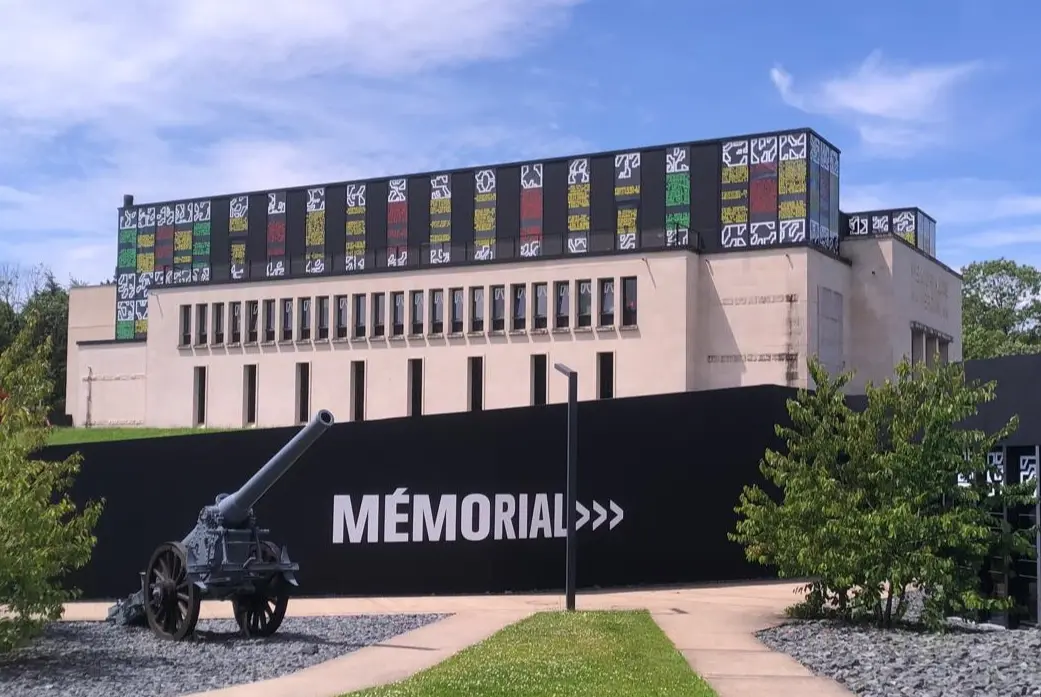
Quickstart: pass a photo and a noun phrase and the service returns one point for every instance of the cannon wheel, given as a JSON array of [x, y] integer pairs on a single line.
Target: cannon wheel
[[172, 603], [261, 613]]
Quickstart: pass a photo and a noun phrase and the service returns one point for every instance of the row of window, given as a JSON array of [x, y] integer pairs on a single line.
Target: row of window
[[539, 378], [355, 314]]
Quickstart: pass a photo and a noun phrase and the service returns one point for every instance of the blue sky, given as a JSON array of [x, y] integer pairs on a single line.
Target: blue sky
[[932, 103]]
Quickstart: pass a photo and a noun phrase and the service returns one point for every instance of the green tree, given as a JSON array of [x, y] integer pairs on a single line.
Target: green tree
[[43, 534], [1001, 309], [870, 500], [50, 303]]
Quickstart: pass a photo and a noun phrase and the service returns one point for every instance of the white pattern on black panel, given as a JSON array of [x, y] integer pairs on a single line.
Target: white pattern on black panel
[[128, 219], [879, 224], [126, 286], [735, 153], [275, 204], [316, 200], [531, 176], [577, 245], [763, 150], [397, 191], [485, 181], [792, 146], [578, 171], [858, 225], [182, 214], [146, 217], [815, 150], [238, 207], [734, 235], [355, 195], [166, 216], [676, 160], [1027, 468], [763, 233], [793, 230], [200, 211], [125, 311], [903, 222], [440, 187], [625, 164]]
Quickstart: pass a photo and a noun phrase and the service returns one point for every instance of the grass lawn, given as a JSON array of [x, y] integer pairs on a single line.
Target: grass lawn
[[558, 654], [69, 436]]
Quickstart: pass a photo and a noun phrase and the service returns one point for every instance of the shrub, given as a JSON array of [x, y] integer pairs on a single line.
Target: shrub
[[42, 535], [872, 504]]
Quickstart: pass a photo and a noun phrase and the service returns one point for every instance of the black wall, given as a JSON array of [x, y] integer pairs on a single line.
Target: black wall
[[675, 464], [1017, 391]]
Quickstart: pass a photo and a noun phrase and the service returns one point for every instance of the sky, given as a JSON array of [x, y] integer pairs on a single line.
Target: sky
[[935, 104]]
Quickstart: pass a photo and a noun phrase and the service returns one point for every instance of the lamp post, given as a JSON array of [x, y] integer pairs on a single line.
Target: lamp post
[[572, 479]]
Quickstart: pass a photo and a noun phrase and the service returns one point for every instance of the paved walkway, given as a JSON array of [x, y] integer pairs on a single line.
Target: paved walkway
[[713, 627]]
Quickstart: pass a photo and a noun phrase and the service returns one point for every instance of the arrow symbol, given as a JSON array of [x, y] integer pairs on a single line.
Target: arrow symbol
[[618, 515], [601, 515], [583, 515]]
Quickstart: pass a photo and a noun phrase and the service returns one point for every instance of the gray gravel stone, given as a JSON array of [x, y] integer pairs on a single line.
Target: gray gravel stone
[[97, 659], [969, 662]]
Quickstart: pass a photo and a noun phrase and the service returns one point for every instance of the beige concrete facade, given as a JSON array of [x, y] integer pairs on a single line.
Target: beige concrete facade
[[695, 322]]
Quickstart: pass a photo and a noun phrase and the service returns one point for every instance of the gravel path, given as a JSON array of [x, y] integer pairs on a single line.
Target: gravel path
[[885, 663], [97, 659]]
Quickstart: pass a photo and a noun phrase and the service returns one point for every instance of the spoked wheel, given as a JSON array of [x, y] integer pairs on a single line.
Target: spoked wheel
[[172, 605], [260, 614]]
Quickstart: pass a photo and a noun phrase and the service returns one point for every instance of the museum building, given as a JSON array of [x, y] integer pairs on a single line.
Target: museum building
[[691, 266]]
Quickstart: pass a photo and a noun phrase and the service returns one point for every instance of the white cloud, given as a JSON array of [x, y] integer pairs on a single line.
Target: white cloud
[[168, 100], [895, 109]]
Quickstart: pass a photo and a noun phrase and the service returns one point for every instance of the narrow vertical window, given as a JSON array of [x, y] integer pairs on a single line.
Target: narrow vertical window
[[605, 375], [417, 312], [585, 303], [606, 302], [287, 320], [249, 385], [252, 321], [520, 310], [200, 325], [539, 378], [457, 310], [476, 380], [341, 316], [303, 392], [477, 309], [186, 325], [437, 311], [304, 311], [323, 317], [218, 324], [200, 396], [415, 386], [562, 309], [498, 308], [236, 323], [357, 390], [397, 306], [359, 316], [379, 314], [269, 320], [629, 301], [541, 306]]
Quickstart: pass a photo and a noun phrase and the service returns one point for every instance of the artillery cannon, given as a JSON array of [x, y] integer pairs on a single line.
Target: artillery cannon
[[225, 557]]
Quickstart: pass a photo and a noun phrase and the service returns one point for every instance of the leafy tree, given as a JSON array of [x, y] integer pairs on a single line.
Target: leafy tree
[[871, 500], [50, 303], [42, 533], [1001, 309]]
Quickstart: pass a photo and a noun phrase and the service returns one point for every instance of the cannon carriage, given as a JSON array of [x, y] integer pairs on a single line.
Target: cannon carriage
[[225, 557]]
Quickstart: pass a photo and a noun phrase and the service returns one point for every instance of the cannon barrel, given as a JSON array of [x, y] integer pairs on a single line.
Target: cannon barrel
[[235, 508]]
